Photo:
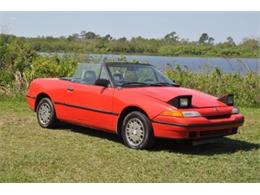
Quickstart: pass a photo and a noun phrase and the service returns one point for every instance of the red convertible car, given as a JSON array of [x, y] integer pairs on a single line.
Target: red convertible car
[[134, 100]]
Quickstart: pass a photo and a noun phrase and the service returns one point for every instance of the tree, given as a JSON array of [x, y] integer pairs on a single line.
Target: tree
[[251, 43], [122, 39], [83, 34], [73, 37], [90, 35], [211, 40], [108, 37], [171, 36], [230, 41], [203, 38]]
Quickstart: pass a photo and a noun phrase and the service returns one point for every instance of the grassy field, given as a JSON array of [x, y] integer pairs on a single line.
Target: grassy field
[[29, 153]]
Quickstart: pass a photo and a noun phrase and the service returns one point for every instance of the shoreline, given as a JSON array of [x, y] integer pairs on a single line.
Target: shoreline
[[147, 55]]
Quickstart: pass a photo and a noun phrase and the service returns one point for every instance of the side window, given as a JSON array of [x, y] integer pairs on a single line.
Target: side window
[[118, 74], [87, 73]]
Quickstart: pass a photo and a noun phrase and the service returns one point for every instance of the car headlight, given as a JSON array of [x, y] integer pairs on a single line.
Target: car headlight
[[235, 110], [228, 99], [183, 101], [177, 113], [191, 114]]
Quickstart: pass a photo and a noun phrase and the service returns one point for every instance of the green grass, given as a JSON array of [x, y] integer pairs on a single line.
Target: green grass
[[29, 153]]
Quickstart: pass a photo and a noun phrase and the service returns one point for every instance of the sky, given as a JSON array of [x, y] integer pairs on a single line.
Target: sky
[[188, 25]]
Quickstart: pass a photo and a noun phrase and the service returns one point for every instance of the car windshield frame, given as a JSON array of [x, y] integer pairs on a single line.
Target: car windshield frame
[[156, 72]]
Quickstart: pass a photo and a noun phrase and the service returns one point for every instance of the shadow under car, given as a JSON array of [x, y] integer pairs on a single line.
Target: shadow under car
[[222, 146]]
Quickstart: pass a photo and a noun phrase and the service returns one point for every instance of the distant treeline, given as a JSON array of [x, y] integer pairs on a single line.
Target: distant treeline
[[170, 45]]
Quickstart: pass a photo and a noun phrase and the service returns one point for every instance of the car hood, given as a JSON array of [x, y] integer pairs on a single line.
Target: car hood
[[199, 99]]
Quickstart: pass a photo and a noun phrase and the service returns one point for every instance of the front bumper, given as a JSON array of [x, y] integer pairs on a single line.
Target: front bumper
[[196, 127]]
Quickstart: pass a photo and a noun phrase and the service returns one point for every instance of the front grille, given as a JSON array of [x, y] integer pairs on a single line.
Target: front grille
[[218, 116], [214, 133]]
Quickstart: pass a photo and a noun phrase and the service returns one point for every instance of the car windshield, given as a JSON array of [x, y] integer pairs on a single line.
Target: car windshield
[[123, 74], [137, 75]]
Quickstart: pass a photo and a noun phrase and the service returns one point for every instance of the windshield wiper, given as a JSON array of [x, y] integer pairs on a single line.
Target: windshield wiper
[[164, 84], [134, 83]]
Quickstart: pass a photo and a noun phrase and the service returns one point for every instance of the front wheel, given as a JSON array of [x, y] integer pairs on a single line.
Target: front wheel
[[137, 131], [46, 113]]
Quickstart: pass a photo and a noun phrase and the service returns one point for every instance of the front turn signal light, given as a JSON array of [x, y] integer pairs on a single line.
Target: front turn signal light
[[235, 111], [173, 113]]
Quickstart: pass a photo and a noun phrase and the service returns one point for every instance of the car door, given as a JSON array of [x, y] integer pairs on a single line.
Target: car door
[[92, 105]]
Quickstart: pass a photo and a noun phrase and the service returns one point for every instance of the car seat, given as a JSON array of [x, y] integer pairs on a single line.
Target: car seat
[[89, 77], [118, 77]]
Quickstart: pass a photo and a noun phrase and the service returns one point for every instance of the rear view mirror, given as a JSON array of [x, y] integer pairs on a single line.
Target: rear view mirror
[[102, 82]]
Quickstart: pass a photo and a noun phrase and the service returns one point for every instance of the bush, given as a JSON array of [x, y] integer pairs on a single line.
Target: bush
[[20, 63], [53, 66], [246, 88]]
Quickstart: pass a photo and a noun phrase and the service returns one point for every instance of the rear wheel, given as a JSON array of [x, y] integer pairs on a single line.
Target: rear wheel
[[137, 131], [46, 113]]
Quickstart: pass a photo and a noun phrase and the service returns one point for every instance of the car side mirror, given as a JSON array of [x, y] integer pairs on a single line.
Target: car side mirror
[[175, 84], [102, 82]]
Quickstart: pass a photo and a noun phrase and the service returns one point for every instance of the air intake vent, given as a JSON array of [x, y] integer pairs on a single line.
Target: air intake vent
[[218, 116]]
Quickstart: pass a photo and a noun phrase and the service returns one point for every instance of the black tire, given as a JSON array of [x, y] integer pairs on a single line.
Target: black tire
[[50, 121], [146, 137]]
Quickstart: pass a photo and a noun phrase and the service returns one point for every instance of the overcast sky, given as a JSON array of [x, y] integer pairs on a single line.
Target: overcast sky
[[188, 25]]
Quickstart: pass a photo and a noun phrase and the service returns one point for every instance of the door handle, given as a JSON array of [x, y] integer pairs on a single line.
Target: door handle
[[70, 89]]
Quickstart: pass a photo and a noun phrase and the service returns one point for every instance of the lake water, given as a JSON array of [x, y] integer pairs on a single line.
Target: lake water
[[196, 64]]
